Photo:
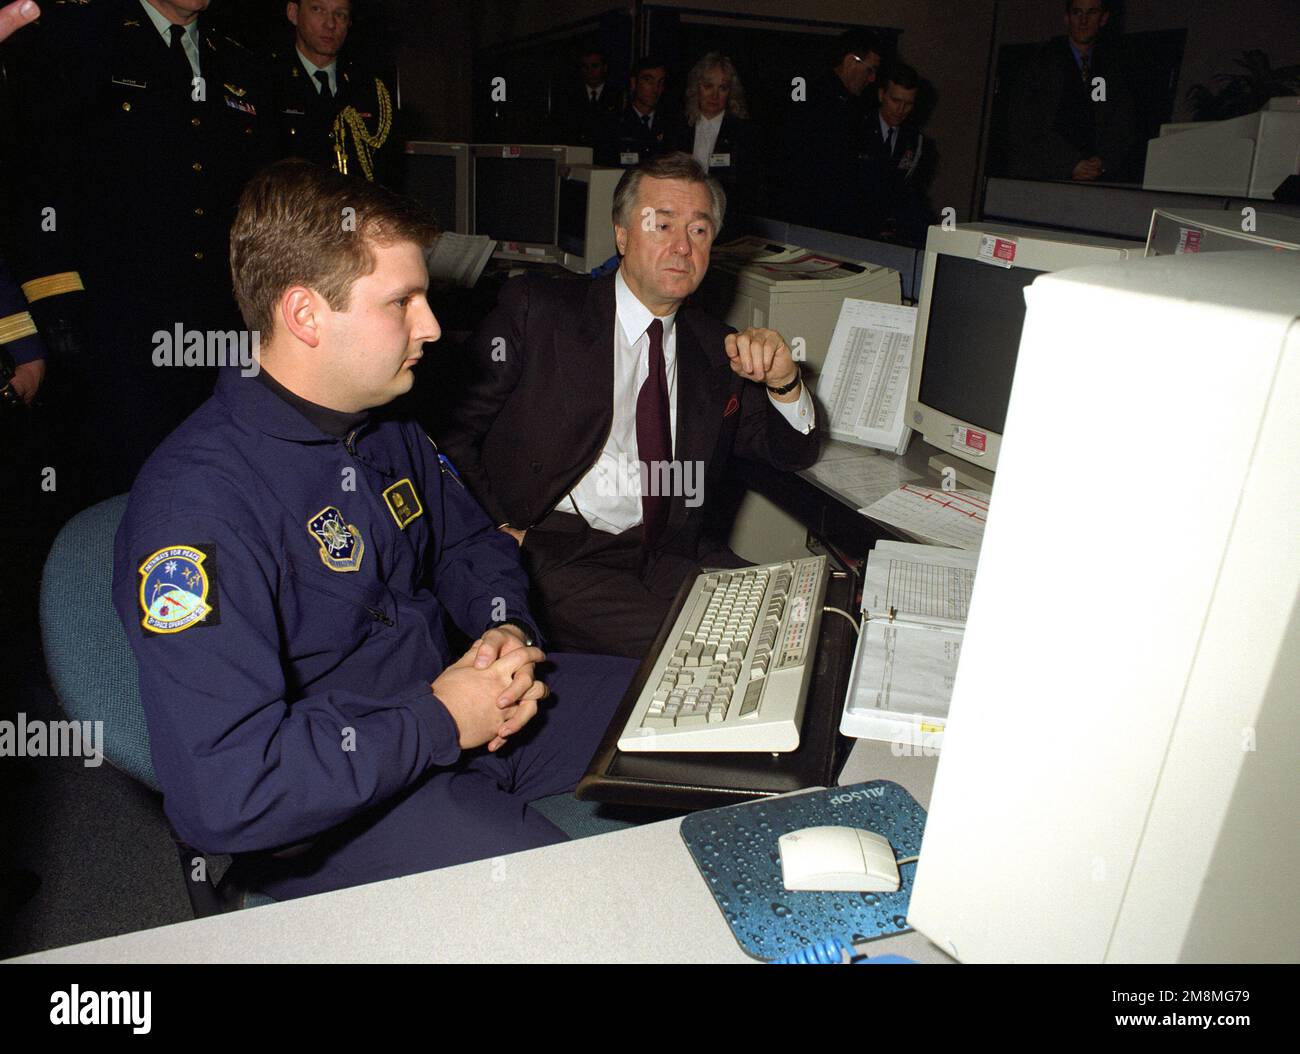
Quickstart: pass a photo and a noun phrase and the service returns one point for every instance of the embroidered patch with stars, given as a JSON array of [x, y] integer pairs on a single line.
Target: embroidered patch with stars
[[403, 502], [174, 588], [341, 546]]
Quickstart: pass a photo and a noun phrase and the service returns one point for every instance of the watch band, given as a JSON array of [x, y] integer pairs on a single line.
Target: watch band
[[786, 389]]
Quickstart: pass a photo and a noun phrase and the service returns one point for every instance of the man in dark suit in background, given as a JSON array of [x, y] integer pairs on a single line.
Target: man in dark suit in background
[[586, 112], [826, 138], [602, 415], [331, 111], [1072, 112]]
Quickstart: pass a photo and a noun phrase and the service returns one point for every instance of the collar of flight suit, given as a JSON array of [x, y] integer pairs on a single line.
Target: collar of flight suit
[[256, 404]]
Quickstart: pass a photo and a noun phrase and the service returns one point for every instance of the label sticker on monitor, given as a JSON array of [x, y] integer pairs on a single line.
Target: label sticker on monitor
[[969, 440], [1189, 241], [511, 151], [1000, 252]]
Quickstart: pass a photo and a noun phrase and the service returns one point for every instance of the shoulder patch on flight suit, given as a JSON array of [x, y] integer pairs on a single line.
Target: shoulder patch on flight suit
[[403, 502], [175, 587], [341, 545]]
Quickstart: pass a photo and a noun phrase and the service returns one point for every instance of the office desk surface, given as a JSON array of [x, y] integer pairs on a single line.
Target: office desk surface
[[629, 896]]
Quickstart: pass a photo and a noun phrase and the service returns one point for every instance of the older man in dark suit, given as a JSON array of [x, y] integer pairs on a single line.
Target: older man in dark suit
[[603, 414]]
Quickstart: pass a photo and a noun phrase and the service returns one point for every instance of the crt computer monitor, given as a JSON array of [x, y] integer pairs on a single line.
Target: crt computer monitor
[[586, 225], [969, 317], [1123, 729], [515, 197], [437, 176]]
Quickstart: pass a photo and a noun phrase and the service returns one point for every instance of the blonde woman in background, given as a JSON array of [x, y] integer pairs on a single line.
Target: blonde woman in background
[[722, 137]]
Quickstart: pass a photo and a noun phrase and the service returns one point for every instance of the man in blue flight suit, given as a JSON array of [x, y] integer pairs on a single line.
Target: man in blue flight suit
[[283, 568]]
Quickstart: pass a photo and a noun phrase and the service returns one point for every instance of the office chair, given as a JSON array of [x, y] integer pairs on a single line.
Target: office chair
[[93, 671]]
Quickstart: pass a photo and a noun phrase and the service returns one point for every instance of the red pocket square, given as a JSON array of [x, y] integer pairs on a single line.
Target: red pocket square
[[733, 405]]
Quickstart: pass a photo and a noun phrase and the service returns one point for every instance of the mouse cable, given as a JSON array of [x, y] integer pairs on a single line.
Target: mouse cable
[[841, 611]]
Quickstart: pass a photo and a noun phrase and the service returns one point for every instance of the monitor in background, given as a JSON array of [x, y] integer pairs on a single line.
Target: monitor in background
[[516, 193], [437, 176], [1249, 156], [1215, 230], [968, 322], [586, 226], [1123, 730]]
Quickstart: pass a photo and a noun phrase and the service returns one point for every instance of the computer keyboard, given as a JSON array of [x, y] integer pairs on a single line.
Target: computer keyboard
[[733, 674]]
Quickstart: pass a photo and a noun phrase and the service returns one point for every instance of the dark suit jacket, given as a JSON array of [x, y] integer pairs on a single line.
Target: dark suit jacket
[[539, 408], [579, 123], [825, 137], [744, 177], [627, 136], [895, 207], [1055, 123]]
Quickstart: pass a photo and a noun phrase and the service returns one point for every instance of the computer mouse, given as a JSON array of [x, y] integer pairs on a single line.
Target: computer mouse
[[838, 858]]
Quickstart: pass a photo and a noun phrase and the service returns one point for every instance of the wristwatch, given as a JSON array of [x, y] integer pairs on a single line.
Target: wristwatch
[[786, 389]]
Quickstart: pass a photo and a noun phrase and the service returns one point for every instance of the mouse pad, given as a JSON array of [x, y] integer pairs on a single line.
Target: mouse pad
[[735, 849]]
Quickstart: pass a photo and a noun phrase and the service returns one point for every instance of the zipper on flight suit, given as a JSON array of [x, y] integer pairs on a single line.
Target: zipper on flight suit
[[378, 614]]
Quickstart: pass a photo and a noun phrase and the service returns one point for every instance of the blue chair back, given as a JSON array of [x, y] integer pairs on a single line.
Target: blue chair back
[[86, 650]]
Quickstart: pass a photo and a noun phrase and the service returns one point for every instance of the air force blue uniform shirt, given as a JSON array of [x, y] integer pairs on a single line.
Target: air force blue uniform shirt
[[283, 590]]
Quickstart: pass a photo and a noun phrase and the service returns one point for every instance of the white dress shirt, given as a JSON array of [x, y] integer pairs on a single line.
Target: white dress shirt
[[706, 137], [190, 41], [312, 69], [603, 497]]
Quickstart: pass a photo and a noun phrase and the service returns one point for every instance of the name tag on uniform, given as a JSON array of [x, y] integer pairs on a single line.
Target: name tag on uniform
[[719, 160], [126, 82], [403, 502], [629, 157]]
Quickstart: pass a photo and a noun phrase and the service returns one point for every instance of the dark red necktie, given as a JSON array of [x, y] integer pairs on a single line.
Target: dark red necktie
[[654, 437]]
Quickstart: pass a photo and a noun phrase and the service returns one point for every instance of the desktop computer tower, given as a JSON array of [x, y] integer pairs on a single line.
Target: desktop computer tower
[[1118, 780]]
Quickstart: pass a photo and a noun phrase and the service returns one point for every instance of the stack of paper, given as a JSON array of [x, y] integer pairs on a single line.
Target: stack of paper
[[943, 517], [857, 475], [914, 604], [863, 384], [458, 259]]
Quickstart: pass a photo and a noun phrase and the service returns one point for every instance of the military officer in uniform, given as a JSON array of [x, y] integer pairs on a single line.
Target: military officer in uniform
[[329, 111], [892, 159], [644, 129], [140, 125], [285, 565]]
